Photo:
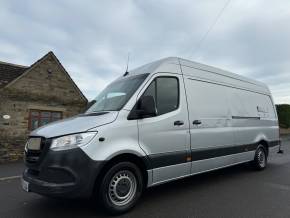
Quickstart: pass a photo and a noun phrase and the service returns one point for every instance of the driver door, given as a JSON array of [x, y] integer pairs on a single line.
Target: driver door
[[165, 137]]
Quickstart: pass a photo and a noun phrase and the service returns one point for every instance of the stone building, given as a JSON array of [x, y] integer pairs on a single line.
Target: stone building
[[31, 97]]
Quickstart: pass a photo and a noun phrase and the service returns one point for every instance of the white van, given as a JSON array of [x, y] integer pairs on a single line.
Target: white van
[[166, 120]]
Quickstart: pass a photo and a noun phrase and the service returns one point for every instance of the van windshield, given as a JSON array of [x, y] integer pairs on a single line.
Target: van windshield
[[116, 94]]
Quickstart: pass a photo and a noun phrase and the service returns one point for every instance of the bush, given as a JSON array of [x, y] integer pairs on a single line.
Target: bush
[[283, 111]]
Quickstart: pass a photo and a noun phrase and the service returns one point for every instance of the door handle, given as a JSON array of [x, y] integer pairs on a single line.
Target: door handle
[[178, 123], [196, 122]]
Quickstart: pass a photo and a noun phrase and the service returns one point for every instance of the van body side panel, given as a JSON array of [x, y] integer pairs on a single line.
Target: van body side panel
[[222, 161], [120, 137], [167, 173], [254, 118], [235, 114]]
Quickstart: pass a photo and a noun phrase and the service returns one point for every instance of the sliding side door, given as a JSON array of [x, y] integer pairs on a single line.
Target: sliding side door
[[212, 139]]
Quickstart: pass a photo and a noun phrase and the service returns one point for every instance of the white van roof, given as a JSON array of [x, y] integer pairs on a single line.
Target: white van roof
[[201, 71]]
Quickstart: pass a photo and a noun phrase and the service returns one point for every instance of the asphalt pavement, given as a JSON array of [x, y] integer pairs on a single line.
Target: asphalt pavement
[[232, 192]]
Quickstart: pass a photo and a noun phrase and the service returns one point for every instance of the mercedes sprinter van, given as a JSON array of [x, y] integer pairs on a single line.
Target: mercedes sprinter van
[[164, 121]]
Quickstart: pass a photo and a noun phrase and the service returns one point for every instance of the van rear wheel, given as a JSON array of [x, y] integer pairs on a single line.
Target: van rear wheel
[[121, 187], [260, 160]]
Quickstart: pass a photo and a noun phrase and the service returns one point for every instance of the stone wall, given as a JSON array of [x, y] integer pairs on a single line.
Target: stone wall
[[45, 87], [14, 132]]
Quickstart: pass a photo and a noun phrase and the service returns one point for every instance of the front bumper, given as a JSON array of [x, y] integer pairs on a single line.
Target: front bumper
[[68, 174]]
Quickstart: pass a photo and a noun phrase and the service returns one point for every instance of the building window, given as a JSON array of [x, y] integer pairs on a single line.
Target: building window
[[39, 118]]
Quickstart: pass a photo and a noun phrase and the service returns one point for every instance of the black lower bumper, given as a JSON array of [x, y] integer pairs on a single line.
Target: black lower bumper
[[67, 174]]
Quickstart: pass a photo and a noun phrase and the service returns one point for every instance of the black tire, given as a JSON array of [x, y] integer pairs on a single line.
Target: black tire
[[115, 184], [261, 158]]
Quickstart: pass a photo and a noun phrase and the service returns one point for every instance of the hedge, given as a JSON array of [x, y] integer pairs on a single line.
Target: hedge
[[283, 111]]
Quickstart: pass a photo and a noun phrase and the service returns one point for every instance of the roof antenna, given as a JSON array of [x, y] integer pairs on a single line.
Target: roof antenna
[[128, 58]]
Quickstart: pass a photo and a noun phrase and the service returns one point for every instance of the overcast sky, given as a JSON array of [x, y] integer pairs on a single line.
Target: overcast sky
[[92, 38]]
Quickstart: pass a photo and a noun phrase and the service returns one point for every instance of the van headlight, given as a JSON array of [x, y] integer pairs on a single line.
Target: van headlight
[[72, 141]]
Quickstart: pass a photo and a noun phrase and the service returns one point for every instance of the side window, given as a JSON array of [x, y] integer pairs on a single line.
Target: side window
[[167, 94], [165, 91]]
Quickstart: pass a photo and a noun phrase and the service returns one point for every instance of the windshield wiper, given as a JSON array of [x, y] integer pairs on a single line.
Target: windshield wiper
[[94, 113]]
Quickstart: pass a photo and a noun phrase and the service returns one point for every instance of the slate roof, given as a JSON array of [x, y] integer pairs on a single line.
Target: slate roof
[[9, 72]]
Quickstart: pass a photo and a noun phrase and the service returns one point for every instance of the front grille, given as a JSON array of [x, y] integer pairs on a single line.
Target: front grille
[[33, 156]]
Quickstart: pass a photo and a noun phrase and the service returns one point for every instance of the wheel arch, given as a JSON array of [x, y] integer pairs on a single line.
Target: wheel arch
[[141, 162], [265, 145]]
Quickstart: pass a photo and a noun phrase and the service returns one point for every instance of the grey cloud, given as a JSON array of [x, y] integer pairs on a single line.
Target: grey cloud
[[92, 38]]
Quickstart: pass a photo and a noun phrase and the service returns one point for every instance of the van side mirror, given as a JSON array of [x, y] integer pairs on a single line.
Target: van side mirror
[[89, 104], [145, 107]]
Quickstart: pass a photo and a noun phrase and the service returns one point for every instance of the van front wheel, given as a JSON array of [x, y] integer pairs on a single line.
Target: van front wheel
[[121, 187], [260, 160]]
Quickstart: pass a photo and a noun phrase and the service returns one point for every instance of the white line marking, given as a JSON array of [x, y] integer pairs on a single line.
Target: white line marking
[[279, 186], [9, 178]]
